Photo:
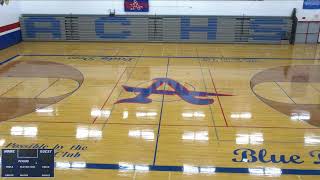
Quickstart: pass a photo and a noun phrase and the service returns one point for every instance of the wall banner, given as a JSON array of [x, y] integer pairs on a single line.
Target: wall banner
[[311, 4]]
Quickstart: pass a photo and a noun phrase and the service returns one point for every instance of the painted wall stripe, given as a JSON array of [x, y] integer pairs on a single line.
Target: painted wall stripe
[[9, 27], [10, 35], [9, 31]]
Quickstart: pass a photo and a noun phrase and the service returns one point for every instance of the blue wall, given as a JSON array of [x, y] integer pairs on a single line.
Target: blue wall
[[10, 39]]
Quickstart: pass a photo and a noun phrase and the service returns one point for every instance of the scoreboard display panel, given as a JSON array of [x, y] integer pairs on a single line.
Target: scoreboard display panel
[[27, 163]]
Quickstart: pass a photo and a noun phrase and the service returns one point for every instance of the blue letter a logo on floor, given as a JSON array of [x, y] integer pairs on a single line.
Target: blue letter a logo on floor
[[192, 97]]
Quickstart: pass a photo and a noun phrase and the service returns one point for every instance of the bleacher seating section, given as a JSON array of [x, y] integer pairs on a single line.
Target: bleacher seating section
[[204, 29]]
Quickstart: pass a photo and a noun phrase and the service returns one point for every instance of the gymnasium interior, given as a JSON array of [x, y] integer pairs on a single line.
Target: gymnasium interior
[[160, 89]]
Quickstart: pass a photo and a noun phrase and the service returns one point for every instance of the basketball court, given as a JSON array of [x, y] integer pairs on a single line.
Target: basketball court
[[160, 89], [165, 111]]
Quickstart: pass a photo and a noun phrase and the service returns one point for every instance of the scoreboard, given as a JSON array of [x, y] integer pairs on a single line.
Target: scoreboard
[[27, 163]]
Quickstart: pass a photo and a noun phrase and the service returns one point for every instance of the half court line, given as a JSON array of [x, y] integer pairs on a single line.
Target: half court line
[[160, 118]]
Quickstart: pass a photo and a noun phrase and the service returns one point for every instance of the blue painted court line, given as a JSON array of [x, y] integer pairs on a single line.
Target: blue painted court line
[[160, 118], [10, 59], [177, 57], [204, 169]]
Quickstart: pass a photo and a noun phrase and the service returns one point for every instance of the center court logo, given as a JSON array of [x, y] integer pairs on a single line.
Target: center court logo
[[192, 97]]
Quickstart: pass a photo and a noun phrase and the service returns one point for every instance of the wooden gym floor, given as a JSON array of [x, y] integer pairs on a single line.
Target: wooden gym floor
[[165, 111]]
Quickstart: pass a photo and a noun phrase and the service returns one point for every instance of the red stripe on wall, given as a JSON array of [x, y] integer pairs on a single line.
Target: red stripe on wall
[[9, 27]]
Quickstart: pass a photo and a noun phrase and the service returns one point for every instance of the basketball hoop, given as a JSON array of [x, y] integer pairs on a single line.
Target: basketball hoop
[[4, 2], [112, 13]]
